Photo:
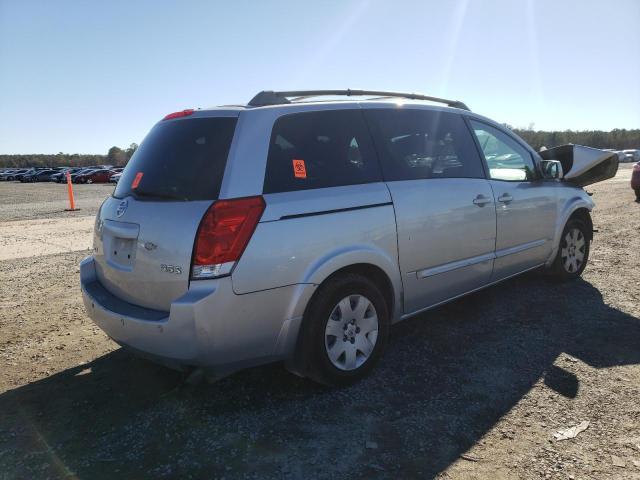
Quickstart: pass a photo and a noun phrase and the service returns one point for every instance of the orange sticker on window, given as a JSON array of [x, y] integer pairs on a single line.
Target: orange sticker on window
[[299, 169], [136, 180]]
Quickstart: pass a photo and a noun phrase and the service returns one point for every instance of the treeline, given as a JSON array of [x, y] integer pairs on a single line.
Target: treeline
[[115, 156], [618, 139]]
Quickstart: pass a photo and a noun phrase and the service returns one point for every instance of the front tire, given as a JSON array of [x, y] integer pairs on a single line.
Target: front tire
[[573, 252], [345, 330]]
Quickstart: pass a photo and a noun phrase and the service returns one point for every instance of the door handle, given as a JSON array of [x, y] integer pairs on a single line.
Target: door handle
[[481, 200], [505, 198]]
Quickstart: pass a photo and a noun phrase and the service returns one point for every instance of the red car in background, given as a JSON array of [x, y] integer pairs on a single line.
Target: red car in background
[[635, 180], [101, 175]]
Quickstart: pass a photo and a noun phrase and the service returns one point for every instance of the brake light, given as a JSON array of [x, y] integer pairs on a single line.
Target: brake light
[[223, 234], [183, 113]]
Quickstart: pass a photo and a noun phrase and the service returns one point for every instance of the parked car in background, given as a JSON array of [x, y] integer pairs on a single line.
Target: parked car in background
[[301, 230], [61, 176], [635, 180], [115, 177], [20, 176], [632, 155], [82, 171], [10, 175], [38, 176], [94, 176]]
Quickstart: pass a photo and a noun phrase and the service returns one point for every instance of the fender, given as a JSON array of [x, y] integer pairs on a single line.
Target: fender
[[565, 211]]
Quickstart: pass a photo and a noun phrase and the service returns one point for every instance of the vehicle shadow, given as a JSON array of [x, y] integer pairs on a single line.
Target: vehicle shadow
[[447, 377]]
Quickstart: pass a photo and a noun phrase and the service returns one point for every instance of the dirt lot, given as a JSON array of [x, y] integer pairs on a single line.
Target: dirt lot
[[474, 389], [22, 201]]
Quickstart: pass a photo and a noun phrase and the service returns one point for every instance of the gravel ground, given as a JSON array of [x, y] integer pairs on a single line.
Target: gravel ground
[[474, 389], [44, 236], [22, 201]]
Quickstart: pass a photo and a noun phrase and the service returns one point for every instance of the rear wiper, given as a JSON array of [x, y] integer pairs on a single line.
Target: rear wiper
[[167, 196]]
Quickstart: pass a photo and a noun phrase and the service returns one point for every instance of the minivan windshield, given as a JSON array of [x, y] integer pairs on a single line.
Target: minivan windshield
[[181, 159]]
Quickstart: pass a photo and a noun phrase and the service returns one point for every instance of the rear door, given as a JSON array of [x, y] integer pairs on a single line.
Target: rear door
[[446, 220], [324, 197], [145, 232], [526, 205]]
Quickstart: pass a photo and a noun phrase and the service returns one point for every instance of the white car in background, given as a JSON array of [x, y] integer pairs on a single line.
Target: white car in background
[[114, 178], [631, 155]]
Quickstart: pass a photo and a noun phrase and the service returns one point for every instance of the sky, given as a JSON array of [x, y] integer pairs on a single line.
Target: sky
[[82, 76]]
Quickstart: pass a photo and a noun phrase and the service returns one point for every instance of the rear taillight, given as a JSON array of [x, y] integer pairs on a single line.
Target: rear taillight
[[183, 113], [223, 234]]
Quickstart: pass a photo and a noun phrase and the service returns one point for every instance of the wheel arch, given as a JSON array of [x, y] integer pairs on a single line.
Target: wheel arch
[[584, 215], [374, 273], [363, 259], [577, 207]]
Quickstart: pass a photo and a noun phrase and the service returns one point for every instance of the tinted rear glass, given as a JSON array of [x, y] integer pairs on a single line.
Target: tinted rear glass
[[419, 144], [318, 150], [179, 159]]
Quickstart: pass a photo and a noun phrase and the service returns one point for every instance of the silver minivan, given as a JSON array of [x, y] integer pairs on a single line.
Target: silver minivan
[[299, 231]]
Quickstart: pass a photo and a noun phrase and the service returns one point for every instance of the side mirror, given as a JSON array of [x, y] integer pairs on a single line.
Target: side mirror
[[552, 169]]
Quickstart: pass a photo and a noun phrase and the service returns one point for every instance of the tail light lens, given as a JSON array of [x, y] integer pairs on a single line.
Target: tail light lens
[[223, 234]]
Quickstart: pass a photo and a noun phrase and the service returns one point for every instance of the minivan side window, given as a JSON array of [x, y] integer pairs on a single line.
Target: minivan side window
[[506, 158], [419, 144], [320, 149]]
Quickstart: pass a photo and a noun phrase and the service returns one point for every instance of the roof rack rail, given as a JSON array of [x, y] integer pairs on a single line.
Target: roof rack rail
[[269, 97]]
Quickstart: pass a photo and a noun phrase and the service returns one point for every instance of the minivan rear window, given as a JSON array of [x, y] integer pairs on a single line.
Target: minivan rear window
[[179, 160]]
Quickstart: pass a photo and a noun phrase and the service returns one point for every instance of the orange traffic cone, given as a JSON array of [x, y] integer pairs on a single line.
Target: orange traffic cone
[[72, 203]]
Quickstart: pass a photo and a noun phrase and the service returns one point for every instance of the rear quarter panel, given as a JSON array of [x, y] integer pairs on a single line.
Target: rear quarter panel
[[307, 247]]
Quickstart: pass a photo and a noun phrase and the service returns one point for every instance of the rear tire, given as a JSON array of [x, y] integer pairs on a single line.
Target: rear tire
[[573, 251], [345, 330]]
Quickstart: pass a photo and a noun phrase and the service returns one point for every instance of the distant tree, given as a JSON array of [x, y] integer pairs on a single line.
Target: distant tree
[[131, 150], [116, 156], [618, 139], [56, 160]]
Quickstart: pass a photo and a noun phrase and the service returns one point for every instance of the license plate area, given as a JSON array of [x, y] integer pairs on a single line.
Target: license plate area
[[119, 243], [122, 253]]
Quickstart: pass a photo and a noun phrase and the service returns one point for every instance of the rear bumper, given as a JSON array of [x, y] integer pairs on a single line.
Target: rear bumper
[[209, 326]]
